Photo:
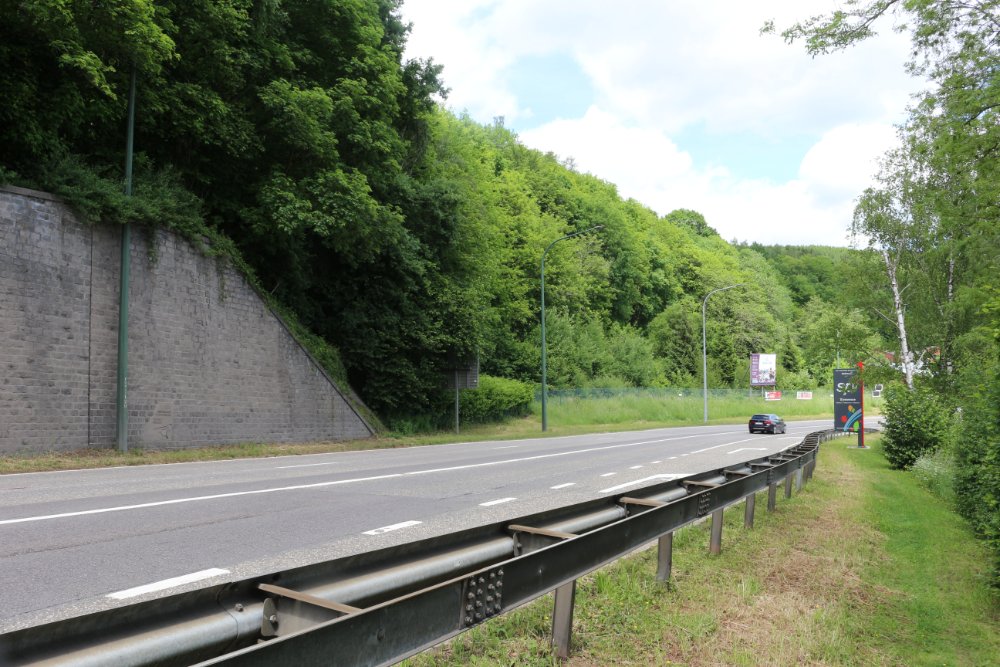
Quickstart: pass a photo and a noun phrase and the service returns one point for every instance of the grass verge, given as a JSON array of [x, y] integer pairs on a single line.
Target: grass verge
[[863, 567]]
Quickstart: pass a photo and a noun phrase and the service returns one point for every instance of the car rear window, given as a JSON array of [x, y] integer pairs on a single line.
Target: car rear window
[[762, 417]]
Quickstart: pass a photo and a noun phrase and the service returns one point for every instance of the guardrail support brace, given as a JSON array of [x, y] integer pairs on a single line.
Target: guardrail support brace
[[664, 557], [748, 511], [772, 497], [562, 619], [788, 485], [715, 544], [798, 480]]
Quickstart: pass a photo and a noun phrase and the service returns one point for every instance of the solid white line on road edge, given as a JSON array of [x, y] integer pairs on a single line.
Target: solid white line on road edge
[[389, 529], [166, 583], [634, 467], [297, 487], [665, 477], [508, 447], [563, 486], [609, 474], [177, 501], [307, 465], [496, 502]]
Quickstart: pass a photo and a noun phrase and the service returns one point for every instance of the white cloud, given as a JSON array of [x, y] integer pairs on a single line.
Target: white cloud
[[659, 68]]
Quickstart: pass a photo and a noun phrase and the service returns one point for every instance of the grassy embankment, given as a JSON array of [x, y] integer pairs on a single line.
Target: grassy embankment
[[863, 567], [566, 416]]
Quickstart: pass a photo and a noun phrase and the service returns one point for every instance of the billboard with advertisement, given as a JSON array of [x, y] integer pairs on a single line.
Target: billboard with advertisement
[[772, 396], [763, 370], [846, 400]]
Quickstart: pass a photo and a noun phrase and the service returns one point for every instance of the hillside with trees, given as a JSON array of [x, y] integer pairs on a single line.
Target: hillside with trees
[[297, 137]]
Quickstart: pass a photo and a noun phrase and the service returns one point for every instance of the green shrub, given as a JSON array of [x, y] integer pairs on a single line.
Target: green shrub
[[977, 468], [916, 423], [495, 400]]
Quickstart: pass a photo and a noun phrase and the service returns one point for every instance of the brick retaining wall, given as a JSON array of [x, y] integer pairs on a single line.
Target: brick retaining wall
[[209, 363]]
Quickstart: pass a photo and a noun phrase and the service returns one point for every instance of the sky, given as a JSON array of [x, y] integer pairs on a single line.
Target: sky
[[681, 103]]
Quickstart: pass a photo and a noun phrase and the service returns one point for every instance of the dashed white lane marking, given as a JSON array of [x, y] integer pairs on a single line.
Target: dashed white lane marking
[[748, 449], [318, 485], [563, 486], [655, 462], [725, 444], [308, 465], [665, 477], [672, 458], [609, 474], [634, 467], [166, 583], [508, 447], [496, 502], [389, 529]]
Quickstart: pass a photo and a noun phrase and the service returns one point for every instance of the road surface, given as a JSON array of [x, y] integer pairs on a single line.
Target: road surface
[[75, 542]]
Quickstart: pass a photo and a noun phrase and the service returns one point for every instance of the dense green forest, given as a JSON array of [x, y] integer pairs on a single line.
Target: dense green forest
[[295, 134]]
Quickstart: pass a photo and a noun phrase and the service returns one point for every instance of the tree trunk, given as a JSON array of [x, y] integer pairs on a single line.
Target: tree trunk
[[897, 304]]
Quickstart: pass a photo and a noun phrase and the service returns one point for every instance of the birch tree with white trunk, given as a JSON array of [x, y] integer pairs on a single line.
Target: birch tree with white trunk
[[892, 224]]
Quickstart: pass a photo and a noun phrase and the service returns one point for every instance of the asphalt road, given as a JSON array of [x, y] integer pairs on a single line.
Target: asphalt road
[[79, 541]]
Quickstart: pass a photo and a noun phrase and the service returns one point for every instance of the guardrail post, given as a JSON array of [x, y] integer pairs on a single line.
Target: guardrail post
[[788, 485], [748, 510], [798, 480], [664, 556], [772, 497], [715, 544], [562, 619]]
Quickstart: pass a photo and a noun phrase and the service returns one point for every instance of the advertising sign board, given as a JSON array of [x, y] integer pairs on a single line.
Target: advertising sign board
[[846, 400], [763, 370], [772, 396], [804, 395]]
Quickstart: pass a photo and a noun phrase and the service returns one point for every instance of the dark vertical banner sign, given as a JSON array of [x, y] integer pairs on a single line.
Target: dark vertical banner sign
[[847, 405]]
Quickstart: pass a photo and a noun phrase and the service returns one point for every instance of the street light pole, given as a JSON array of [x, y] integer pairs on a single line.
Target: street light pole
[[545, 418], [704, 346]]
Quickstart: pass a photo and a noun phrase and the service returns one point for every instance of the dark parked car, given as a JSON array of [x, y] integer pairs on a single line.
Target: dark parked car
[[767, 424]]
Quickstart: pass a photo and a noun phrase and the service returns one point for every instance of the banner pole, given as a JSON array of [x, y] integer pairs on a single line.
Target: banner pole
[[861, 421]]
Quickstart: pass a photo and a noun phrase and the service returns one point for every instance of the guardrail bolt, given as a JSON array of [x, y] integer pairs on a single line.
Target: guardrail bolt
[[238, 607], [273, 619]]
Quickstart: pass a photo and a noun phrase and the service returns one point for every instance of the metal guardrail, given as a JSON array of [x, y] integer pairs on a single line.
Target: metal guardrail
[[379, 607]]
